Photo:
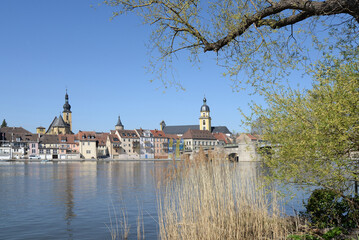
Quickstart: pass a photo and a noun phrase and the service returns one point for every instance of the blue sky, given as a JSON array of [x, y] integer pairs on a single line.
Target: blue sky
[[47, 46]]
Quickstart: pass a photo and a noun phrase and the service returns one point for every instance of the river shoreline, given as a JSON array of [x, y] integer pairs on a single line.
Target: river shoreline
[[88, 160]]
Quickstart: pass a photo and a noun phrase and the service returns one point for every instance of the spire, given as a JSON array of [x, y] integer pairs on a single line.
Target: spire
[[119, 125], [67, 106]]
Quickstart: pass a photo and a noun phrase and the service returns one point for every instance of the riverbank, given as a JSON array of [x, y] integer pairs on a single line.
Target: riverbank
[[90, 160]]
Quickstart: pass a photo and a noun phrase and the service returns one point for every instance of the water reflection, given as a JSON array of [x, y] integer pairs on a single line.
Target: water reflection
[[72, 200]]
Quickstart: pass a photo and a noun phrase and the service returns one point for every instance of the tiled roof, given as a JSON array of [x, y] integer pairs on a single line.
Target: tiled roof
[[198, 134], [14, 130], [57, 122], [141, 132], [221, 137], [158, 134], [180, 129], [173, 136], [14, 134], [68, 138], [127, 133], [113, 138], [220, 129], [100, 137], [251, 136], [49, 139]]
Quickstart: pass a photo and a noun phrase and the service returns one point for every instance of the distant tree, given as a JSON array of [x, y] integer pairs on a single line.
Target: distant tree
[[257, 126], [3, 124]]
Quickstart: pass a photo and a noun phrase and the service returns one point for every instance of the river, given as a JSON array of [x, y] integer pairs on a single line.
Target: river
[[83, 200]]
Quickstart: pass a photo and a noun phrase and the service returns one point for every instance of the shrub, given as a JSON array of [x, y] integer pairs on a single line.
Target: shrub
[[327, 209]]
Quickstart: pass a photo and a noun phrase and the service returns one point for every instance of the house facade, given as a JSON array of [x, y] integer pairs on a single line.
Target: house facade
[[130, 143], [195, 139], [146, 143], [160, 142]]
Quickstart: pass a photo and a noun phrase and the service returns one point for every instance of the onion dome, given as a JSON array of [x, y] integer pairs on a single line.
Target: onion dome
[[204, 107], [67, 106]]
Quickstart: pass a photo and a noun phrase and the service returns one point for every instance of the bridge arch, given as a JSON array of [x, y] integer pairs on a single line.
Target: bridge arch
[[233, 157]]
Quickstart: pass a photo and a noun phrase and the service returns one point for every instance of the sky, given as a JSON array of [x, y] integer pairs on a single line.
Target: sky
[[48, 46]]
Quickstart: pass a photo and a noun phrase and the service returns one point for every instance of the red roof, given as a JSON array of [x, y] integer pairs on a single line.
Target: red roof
[[221, 137], [158, 134], [251, 136], [198, 134], [68, 138], [127, 133]]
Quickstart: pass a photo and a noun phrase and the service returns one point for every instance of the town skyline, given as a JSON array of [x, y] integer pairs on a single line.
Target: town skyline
[[49, 47]]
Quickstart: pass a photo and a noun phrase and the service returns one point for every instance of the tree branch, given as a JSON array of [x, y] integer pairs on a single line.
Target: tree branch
[[307, 8]]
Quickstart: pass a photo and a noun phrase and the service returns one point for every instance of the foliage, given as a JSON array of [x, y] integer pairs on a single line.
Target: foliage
[[331, 234], [3, 124], [261, 39], [313, 132], [326, 209]]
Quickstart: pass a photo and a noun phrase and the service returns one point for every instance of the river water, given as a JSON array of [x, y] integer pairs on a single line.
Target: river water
[[83, 200]]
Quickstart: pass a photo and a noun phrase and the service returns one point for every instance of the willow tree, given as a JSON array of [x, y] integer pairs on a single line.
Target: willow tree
[[258, 41], [314, 133]]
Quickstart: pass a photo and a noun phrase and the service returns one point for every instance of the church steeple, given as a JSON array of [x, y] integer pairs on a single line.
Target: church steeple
[[205, 119], [67, 106], [67, 114], [119, 125]]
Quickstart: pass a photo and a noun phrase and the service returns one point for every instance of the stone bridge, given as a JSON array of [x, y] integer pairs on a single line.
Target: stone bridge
[[240, 152]]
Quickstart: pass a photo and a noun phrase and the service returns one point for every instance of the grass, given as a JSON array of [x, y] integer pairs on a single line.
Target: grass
[[208, 198]]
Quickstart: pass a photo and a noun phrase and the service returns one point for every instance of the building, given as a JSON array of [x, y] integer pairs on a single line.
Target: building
[[17, 143], [92, 145], [160, 144], [49, 147], [205, 119], [130, 143], [69, 146], [146, 143], [113, 145], [222, 139], [61, 124], [246, 138], [204, 124], [195, 138]]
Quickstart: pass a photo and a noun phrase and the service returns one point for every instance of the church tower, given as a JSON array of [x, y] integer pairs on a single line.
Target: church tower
[[205, 119], [67, 112], [119, 125]]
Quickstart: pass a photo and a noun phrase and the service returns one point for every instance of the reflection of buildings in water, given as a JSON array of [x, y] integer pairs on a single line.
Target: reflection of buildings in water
[[133, 175], [69, 202]]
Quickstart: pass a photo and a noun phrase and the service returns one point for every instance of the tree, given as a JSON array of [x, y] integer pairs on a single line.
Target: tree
[[262, 38], [4, 124], [313, 133]]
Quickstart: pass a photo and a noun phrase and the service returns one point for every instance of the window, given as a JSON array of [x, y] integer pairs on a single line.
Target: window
[[41, 151], [88, 143], [88, 151], [48, 151], [54, 151], [33, 145], [33, 150]]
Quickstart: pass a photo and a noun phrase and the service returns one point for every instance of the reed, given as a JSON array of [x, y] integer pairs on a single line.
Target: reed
[[207, 198]]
